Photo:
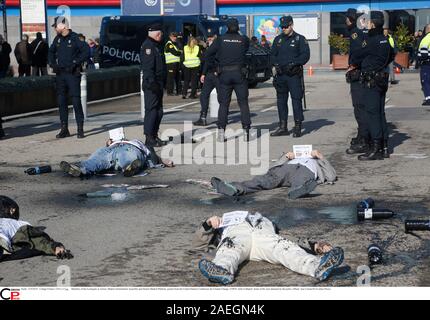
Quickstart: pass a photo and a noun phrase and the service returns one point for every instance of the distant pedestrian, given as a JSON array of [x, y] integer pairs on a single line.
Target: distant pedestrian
[[39, 49], [5, 51], [94, 59], [23, 55], [265, 43]]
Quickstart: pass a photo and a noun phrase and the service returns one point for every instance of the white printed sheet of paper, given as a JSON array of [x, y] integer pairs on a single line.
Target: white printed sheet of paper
[[233, 218], [302, 151], [117, 134]]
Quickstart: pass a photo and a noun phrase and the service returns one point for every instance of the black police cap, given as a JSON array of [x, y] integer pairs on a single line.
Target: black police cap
[[377, 17], [58, 20], [351, 13], [286, 21], [155, 27], [232, 23]]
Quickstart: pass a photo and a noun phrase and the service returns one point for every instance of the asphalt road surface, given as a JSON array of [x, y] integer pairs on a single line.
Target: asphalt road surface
[[143, 240]]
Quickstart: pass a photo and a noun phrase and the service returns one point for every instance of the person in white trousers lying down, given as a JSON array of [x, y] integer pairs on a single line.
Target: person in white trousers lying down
[[256, 238]]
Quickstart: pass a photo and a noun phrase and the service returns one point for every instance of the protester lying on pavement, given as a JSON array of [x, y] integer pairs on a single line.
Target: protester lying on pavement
[[128, 156], [301, 175], [20, 240], [256, 239]]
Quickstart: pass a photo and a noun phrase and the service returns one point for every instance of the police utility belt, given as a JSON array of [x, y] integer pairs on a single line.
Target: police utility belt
[[295, 70], [353, 76], [374, 79], [241, 69]]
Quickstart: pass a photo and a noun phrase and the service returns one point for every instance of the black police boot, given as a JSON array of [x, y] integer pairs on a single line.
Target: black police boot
[[282, 130], [361, 146], [355, 140], [426, 103], [160, 143], [81, 134], [1, 131], [297, 131], [64, 132], [374, 153], [202, 120], [385, 151], [150, 142]]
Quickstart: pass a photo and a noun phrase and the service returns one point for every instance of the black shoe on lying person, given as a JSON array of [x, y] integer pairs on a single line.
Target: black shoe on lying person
[[133, 168], [223, 187]]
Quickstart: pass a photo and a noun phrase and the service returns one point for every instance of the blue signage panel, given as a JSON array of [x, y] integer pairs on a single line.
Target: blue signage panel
[[168, 7], [139, 7]]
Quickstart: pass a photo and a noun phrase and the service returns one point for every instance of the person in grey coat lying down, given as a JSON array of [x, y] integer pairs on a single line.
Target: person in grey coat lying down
[[302, 176]]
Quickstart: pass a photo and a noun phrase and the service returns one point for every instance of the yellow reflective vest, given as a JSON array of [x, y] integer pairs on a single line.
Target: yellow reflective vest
[[424, 48], [170, 58], [191, 57], [391, 41]]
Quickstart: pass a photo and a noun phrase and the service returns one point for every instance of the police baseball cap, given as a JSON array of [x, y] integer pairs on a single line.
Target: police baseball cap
[[232, 23], [352, 14], [58, 20], [211, 34], [155, 27], [377, 17], [286, 21], [173, 34]]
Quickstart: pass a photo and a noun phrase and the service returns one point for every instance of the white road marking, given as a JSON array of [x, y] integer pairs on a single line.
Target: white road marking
[[389, 106], [269, 109]]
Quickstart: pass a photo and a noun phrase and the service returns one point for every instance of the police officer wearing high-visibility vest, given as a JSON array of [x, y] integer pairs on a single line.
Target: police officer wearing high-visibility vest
[[173, 54], [230, 51], [154, 73], [388, 33], [374, 59], [359, 144], [191, 67], [424, 60], [210, 81], [66, 56], [290, 51]]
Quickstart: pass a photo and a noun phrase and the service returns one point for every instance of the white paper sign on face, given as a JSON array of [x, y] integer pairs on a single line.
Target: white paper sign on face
[[233, 218], [302, 151], [117, 134]]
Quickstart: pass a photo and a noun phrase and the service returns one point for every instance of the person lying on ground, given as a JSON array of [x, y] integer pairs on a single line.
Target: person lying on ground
[[301, 175], [128, 156], [256, 238], [20, 240]]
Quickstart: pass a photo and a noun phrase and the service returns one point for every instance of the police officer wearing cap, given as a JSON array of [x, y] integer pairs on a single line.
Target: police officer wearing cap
[[290, 51], [154, 73], [374, 59], [230, 52], [359, 144], [210, 81], [173, 54], [66, 57]]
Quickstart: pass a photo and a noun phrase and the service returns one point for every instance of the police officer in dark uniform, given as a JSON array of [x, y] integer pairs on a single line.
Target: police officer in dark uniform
[[290, 51], [154, 75], [210, 81], [374, 59], [359, 144], [230, 51], [66, 57]]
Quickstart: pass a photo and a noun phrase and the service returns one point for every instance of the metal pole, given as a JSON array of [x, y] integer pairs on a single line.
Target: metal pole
[[4, 21], [84, 93], [142, 97]]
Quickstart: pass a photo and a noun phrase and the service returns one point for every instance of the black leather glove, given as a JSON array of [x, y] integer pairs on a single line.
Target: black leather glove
[[55, 68]]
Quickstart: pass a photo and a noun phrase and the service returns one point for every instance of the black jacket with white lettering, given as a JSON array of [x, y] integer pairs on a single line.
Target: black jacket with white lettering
[[230, 50]]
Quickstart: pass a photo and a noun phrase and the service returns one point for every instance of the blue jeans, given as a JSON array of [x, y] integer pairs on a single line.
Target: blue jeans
[[425, 80], [115, 158]]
